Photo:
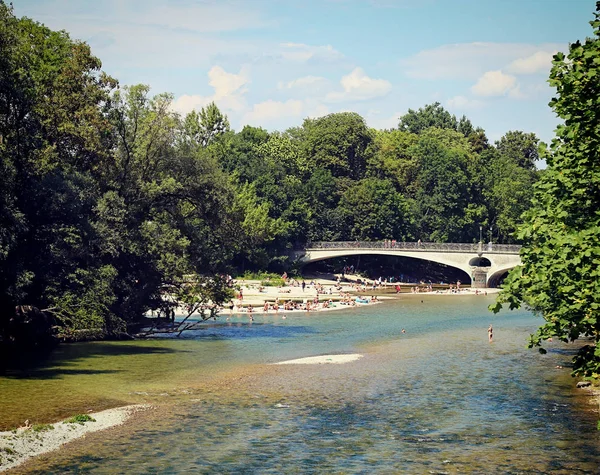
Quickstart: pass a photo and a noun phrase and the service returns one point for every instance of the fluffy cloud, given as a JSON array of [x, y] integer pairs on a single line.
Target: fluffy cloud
[[229, 92], [494, 83], [279, 113], [357, 86], [540, 61], [375, 119], [469, 60], [312, 82], [269, 110], [301, 52], [462, 102]]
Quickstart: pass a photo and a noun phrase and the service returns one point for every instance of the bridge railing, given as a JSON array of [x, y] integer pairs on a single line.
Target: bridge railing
[[418, 246]]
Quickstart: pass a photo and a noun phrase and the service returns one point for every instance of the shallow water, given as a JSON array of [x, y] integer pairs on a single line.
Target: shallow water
[[437, 399]]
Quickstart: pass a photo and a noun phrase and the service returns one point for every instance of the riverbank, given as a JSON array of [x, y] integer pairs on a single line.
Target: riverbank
[[19, 445], [326, 293]]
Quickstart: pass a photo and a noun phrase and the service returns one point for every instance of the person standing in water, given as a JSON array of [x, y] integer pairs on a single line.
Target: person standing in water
[[490, 333]]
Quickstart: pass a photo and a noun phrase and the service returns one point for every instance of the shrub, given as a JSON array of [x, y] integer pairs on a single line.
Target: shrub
[[80, 419]]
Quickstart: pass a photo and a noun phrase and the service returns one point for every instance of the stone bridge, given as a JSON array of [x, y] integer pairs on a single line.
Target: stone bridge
[[484, 263]]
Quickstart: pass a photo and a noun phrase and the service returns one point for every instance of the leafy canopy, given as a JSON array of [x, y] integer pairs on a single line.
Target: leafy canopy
[[560, 275]]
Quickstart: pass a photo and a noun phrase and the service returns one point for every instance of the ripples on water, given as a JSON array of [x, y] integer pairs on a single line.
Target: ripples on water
[[438, 399]]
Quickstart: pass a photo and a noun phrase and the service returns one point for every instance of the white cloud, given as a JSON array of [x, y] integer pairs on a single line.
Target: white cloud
[[462, 102], [300, 52], [229, 92], [516, 93], [374, 119], [357, 86], [469, 60], [204, 17], [270, 110], [227, 84], [494, 83], [305, 82], [281, 114], [540, 61], [318, 110]]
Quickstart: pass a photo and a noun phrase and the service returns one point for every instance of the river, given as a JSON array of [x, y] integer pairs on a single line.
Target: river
[[437, 399]]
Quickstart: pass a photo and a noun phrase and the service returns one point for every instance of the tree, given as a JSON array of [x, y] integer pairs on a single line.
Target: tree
[[442, 192], [375, 211], [339, 143], [519, 147], [432, 115], [559, 278], [392, 158], [54, 142], [507, 192], [204, 127]]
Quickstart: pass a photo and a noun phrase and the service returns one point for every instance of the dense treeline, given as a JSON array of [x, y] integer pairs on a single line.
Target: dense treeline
[[107, 196]]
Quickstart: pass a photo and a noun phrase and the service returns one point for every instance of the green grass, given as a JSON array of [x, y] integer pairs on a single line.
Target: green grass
[[80, 419]]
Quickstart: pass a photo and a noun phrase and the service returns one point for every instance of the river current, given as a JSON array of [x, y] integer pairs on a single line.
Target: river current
[[437, 399]]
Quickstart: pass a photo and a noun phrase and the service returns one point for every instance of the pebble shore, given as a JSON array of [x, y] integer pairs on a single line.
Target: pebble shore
[[20, 445]]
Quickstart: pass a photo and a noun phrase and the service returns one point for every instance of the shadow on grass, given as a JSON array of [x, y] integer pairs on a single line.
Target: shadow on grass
[[58, 362]]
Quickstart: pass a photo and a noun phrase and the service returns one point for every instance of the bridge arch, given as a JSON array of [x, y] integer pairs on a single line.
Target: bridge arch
[[493, 279], [314, 256]]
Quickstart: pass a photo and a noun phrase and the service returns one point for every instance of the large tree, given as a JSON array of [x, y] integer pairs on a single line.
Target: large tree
[[339, 143], [560, 273], [432, 115], [520, 147], [54, 142]]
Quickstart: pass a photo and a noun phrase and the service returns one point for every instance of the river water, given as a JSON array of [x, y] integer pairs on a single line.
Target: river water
[[437, 399]]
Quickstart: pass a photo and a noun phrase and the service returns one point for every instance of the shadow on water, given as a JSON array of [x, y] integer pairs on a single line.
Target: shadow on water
[[55, 363], [239, 331]]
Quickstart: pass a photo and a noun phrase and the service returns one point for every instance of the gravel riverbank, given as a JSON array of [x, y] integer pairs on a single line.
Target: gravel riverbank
[[21, 444]]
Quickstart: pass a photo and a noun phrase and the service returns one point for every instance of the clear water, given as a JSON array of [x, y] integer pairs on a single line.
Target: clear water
[[437, 399]]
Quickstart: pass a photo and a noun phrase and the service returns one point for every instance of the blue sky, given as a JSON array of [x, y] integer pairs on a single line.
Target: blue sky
[[272, 63]]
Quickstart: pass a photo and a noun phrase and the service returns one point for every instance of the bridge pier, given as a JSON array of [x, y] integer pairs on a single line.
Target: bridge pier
[[479, 277]]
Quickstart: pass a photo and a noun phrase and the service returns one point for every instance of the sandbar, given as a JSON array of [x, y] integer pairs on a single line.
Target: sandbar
[[324, 359]]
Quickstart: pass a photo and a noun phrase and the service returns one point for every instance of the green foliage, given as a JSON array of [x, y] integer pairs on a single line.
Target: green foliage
[[42, 427], [201, 129], [267, 279], [559, 278], [80, 419], [519, 148], [374, 210], [508, 193], [338, 143], [109, 200], [432, 115], [442, 193], [393, 159]]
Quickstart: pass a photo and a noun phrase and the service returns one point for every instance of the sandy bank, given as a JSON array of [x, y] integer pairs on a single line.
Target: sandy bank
[[24, 443], [324, 359]]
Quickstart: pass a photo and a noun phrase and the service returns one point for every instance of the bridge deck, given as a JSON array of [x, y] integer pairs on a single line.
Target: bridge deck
[[415, 246]]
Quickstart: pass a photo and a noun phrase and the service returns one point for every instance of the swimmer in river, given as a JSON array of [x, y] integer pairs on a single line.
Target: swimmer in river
[[403, 330], [490, 333]]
